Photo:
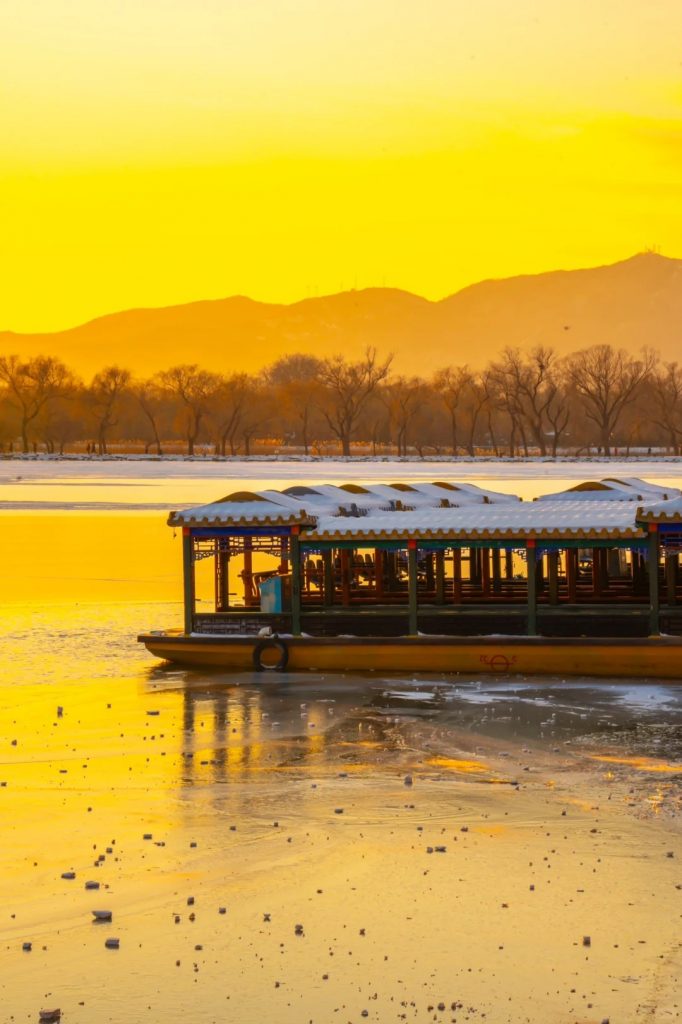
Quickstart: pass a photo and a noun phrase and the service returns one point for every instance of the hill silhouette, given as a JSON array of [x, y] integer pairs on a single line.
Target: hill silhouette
[[631, 303]]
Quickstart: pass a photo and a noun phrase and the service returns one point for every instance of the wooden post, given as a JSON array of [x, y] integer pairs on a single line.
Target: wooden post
[[440, 576], [345, 577], [484, 556], [540, 570], [531, 573], [654, 625], [475, 566], [412, 586], [509, 564], [295, 553], [248, 572], [379, 574], [572, 574], [430, 574], [283, 556], [671, 579], [222, 575], [328, 570], [604, 570], [596, 572], [456, 575], [391, 573], [553, 576], [495, 554], [188, 578]]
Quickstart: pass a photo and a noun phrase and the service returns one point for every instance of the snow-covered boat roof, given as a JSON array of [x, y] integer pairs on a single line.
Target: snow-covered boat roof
[[303, 504], [460, 493], [439, 494], [614, 489], [661, 511], [344, 499], [551, 520], [665, 491], [441, 509], [243, 508]]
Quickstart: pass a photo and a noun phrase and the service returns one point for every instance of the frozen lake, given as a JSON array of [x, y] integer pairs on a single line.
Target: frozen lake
[[420, 830]]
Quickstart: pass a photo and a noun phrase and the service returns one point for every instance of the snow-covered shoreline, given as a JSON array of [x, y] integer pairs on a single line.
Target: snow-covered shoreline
[[82, 458], [89, 484]]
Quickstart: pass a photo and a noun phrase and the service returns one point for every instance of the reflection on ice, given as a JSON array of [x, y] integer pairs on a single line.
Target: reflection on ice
[[309, 721]]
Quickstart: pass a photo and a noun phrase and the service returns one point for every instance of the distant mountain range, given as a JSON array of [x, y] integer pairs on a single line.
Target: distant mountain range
[[632, 303]]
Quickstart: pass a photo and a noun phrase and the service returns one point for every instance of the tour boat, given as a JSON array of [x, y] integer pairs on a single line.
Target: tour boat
[[436, 577]]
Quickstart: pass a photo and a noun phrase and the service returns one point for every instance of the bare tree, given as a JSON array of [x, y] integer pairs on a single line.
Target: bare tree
[[105, 393], [228, 407], [402, 397], [295, 379], [193, 388], [61, 421], [451, 383], [505, 397], [533, 380], [667, 395], [347, 388], [32, 384], [607, 380], [151, 399], [478, 396], [559, 416], [257, 413]]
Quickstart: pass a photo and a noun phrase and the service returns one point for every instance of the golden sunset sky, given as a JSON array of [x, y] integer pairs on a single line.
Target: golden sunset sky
[[160, 151]]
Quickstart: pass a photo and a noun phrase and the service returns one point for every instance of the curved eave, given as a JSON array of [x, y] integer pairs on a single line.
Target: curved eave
[[659, 517], [177, 519], [573, 533]]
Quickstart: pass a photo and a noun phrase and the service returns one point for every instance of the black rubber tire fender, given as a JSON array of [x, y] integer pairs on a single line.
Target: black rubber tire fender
[[269, 643]]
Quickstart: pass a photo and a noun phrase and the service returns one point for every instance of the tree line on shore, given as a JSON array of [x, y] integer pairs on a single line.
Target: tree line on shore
[[599, 399]]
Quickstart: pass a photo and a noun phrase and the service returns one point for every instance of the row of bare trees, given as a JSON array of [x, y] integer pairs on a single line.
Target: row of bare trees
[[522, 402]]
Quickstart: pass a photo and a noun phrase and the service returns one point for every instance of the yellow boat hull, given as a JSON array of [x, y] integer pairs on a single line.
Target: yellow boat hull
[[654, 657]]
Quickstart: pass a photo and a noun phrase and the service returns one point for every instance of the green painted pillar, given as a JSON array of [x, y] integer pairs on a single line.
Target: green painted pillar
[[295, 561], [412, 585], [654, 624], [188, 578], [531, 570]]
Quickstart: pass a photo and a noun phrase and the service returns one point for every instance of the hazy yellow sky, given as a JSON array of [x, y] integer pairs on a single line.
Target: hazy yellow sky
[[159, 151]]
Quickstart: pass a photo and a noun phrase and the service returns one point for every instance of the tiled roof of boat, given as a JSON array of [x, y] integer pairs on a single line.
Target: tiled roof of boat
[[423, 494], [612, 489], [661, 511], [594, 508], [665, 491], [332, 499], [471, 492], [529, 519], [306, 503], [241, 508]]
